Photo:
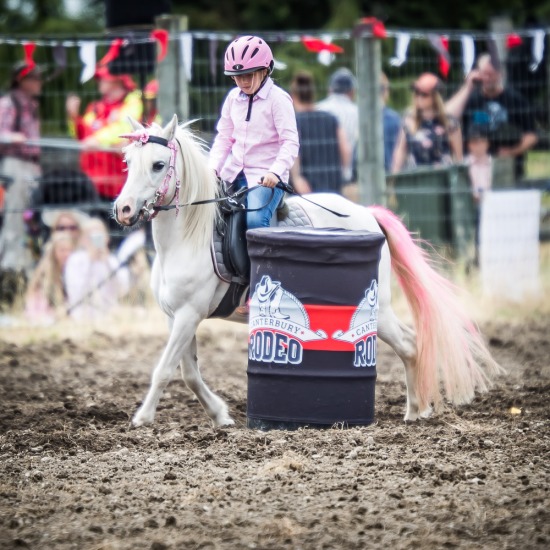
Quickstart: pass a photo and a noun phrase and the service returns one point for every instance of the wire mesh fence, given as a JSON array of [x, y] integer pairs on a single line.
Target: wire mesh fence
[[88, 176]]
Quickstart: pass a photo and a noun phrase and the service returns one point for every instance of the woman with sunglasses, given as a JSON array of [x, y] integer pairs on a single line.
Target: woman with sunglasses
[[65, 221], [429, 136], [45, 300]]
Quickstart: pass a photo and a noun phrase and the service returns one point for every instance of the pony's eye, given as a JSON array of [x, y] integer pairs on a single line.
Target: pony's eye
[[158, 166]]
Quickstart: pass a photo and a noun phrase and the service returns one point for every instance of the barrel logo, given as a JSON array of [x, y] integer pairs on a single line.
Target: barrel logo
[[362, 329], [279, 325]]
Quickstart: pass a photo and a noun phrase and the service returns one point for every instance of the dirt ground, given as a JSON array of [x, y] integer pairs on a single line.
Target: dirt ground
[[74, 474]]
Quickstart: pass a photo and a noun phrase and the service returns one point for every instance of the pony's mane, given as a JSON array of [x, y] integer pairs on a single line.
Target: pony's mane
[[198, 182]]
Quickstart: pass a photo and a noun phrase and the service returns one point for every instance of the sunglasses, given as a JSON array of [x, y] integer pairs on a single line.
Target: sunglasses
[[418, 93], [66, 228]]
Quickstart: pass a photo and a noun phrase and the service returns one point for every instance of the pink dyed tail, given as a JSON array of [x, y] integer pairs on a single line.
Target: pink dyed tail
[[450, 350]]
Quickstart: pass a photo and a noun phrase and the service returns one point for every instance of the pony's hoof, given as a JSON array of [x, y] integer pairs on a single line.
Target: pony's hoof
[[223, 420], [411, 417], [426, 413], [141, 419]]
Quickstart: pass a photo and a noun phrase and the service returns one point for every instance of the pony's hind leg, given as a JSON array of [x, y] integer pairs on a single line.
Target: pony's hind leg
[[214, 406], [402, 340]]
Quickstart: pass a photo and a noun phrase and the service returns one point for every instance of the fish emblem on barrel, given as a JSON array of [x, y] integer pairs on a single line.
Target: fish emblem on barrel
[[279, 324], [363, 328]]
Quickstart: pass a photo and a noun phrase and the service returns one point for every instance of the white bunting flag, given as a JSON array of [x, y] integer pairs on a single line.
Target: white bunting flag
[[88, 58], [537, 52], [401, 47], [468, 53]]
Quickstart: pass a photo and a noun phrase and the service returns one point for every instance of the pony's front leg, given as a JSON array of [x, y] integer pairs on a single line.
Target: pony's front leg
[[180, 347]]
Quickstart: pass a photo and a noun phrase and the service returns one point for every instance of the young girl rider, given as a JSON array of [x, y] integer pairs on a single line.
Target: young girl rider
[[257, 139]]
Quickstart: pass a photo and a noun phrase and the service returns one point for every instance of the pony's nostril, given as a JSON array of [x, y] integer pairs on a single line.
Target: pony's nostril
[[126, 210]]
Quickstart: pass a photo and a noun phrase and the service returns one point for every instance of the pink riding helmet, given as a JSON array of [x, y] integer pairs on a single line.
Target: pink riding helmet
[[247, 54]]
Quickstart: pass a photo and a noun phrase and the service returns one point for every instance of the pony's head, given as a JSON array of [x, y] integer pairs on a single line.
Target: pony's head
[[167, 166], [151, 181]]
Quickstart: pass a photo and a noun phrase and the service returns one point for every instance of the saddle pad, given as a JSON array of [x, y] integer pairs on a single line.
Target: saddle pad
[[296, 217]]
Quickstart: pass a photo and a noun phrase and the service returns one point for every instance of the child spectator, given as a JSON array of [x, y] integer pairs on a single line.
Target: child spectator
[[93, 275], [480, 168], [45, 300], [479, 161]]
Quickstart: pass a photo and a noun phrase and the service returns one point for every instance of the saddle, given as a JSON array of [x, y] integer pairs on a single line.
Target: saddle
[[229, 248]]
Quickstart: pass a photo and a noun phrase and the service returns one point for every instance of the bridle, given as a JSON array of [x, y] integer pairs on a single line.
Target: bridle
[[151, 209], [154, 206]]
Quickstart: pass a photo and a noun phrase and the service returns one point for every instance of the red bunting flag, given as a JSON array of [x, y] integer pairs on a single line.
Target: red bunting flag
[[441, 46], [28, 48], [113, 52], [513, 41], [317, 45], [378, 29], [445, 60], [161, 36]]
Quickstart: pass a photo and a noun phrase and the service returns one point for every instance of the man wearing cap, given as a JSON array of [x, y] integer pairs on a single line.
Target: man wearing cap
[[100, 127], [340, 102], [20, 163], [483, 100]]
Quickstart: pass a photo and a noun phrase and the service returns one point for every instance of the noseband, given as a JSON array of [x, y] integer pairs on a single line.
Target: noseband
[[150, 209]]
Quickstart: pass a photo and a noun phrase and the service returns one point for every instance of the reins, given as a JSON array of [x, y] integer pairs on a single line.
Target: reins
[[152, 208]]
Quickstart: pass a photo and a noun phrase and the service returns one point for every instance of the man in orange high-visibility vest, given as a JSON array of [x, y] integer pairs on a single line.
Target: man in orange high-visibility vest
[[101, 125]]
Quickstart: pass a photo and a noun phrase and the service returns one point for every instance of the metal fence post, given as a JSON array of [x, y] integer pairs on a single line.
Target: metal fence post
[[370, 153], [173, 95]]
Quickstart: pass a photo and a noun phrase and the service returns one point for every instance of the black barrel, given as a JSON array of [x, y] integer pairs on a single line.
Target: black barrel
[[312, 327]]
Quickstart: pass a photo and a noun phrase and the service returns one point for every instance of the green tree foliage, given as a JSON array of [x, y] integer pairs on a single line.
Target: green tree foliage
[[48, 16]]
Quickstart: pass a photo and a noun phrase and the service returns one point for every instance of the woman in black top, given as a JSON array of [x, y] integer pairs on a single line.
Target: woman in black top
[[323, 146], [429, 136]]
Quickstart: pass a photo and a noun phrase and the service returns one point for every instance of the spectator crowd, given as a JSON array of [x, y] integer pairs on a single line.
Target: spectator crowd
[[77, 273]]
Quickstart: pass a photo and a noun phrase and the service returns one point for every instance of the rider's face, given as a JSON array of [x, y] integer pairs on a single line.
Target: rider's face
[[249, 83]]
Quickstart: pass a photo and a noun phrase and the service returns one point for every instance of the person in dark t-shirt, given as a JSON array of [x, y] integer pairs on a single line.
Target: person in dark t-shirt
[[324, 150], [503, 112]]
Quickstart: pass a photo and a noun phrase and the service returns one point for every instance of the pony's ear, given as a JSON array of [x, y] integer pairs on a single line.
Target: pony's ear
[[136, 126], [169, 130]]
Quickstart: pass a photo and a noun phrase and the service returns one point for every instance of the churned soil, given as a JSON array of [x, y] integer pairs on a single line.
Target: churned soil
[[75, 475]]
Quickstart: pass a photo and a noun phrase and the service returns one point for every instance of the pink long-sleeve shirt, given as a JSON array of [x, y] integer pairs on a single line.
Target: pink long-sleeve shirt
[[268, 142]]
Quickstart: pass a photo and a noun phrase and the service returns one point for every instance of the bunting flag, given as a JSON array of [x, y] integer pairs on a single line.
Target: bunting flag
[[60, 60], [468, 53], [161, 36], [374, 25], [88, 58], [441, 46], [325, 57], [186, 48], [28, 48], [401, 47], [316, 45], [492, 48], [537, 50], [279, 65], [112, 53], [213, 56], [513, 41]]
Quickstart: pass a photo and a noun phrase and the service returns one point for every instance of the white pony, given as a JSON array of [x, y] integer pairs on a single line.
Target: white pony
[[444, 355]]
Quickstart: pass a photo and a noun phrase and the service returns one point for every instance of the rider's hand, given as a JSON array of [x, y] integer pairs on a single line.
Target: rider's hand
[[269, 180]]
